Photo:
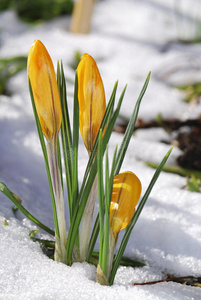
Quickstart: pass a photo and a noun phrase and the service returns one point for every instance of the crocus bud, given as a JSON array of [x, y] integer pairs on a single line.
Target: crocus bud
[[47, 102], [91, 97], [44, 87], [125, 195]]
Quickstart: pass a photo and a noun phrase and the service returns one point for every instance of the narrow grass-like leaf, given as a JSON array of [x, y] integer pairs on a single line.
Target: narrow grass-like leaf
[[94, 236], [107, 135], [105, 121], [130, 128], [41, 138], [59, 162], [78, 215], [121, 154], [100, 193], [86, 190], [129, 229], [107, 218], [112, 171], [66, 135], [33, 232], [106, 139], [4, 189], [125, 261], [75, 157], [96, 227], [45, 243], [108, 195], [107, 179], [113, 95], [75, 144], [176, 170], [58, 143], [88, 178]]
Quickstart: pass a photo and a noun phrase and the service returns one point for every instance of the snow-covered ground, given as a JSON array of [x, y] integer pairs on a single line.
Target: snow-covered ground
[[127, 39]]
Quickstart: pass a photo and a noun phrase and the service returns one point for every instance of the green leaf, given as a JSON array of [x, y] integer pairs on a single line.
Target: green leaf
[[176, 170], [58, 142], [112, 173], [33, 233], [100, 194], [75, 190], [9, 67], [193, 184], [94, 236], [76, 59], [106, 138], [130, 128], [78, 215], [125, 261], [106, 119], [104, 207], [59, 162], [4, 189], [75, 146], [42, 141], [5, 223], [135, 218], [15, 208], [40, 10], [121, 153], [83, 195], [45, 243], [192, 91], [104, 253], [66, 135]]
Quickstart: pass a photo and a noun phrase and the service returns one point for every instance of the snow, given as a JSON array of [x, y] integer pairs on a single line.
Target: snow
[[128, 39]]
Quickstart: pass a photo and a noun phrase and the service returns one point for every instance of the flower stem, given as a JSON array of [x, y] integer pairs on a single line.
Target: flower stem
[[112, 246], [60, 243], [87, 218], [100, 276]]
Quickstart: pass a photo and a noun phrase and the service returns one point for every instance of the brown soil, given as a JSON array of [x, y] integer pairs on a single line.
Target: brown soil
[[190, 144], [188, 138]]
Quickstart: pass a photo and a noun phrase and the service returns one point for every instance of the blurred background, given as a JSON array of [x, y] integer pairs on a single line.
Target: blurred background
[[127, 39]]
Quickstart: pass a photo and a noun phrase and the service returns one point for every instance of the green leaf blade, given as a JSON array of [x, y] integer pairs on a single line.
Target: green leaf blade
[[5, 190], [130, 128], [100, 195], [75, 146], [42, 142], [66, 135], [136, 216]]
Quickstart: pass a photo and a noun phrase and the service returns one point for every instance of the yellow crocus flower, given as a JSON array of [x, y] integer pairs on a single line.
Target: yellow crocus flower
[[41, 74], [44, 87], [91, 97], [92, 106], [125, 195]]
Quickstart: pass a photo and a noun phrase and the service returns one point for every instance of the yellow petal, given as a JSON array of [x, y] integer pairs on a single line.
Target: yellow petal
[[125, 195], [41, 73], [91, 97]]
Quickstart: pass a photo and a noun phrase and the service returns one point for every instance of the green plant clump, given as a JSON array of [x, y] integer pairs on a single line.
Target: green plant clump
[[33, 10], [8, 68], [118, 192], [5, 4], [192, 91]]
